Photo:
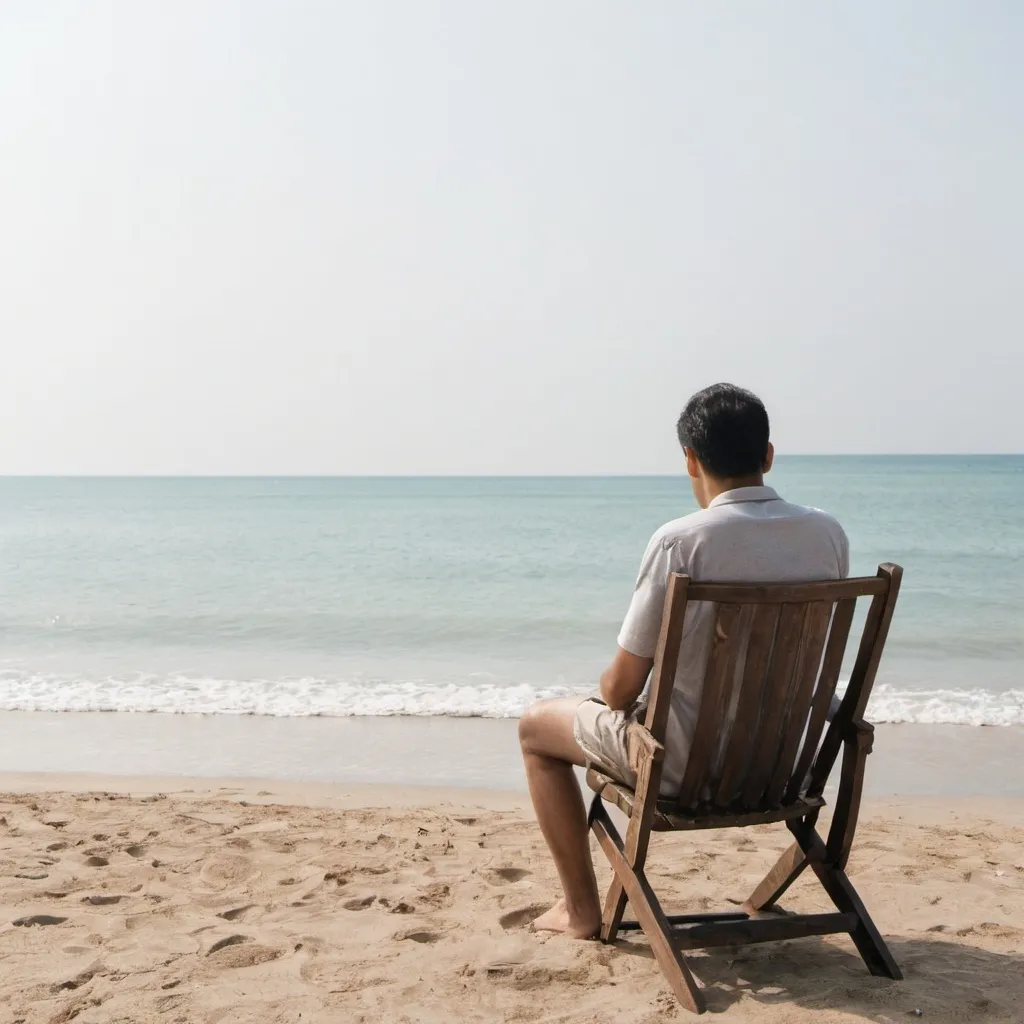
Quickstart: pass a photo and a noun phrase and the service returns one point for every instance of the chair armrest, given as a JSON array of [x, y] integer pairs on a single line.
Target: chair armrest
[[860, 734], [642, 746]]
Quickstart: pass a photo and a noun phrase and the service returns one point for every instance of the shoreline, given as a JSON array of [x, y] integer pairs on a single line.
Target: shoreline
[[472, 753], [270, 792], [347, 796]]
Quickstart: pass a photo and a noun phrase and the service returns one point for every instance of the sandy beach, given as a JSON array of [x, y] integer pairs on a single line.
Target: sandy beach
[[154, 899]]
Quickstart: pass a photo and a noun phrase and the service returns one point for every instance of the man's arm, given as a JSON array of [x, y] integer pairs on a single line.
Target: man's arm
[[624, 679]]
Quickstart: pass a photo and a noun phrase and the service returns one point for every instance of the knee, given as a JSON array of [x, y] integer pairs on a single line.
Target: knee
[[528, 725], [531, 725]]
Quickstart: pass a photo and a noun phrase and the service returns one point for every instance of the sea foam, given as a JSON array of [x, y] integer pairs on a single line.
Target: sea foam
[[311, 696]]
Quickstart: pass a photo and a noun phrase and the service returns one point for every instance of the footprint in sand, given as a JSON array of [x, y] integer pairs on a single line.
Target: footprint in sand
[[221, 870], [54, 847], [102, 901], [96, 862], [241, 951], [423, 937], [504, 876], [359, 904], [37, 919], [437, 895], [135, 850], [248, 955], [76, 982], [237, 913], [231, 940], [521, 918]]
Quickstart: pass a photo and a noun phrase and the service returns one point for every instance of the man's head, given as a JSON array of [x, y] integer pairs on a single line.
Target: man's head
[[724, 433]]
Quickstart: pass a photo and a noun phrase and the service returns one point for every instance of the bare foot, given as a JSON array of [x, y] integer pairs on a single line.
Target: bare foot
[[558, 919]]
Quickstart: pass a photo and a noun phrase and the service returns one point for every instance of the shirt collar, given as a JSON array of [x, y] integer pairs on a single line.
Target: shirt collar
[[741, 494]]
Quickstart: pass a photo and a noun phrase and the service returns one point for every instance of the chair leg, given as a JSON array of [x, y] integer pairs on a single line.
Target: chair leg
[[659, 934], [635, 887], [614, 907], [787, 870], [866, 937], [616, 899]]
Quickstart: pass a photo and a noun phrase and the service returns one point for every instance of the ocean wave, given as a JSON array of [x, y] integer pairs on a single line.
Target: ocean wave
[[947, 707], [312, 696], [286, 698]]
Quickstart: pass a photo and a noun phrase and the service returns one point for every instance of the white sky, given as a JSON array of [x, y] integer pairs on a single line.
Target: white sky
[[406, 236]]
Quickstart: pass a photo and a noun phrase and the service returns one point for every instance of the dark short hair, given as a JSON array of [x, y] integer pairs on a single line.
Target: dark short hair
[[727, 429]]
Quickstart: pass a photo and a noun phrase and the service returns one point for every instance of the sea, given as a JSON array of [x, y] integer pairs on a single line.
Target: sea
[[467, 597]]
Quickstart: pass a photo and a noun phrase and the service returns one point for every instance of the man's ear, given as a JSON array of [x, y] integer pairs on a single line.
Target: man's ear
[[769, 457], [692, 465]]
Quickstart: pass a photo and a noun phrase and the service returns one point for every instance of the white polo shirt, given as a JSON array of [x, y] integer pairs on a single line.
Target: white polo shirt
[[747, 535]]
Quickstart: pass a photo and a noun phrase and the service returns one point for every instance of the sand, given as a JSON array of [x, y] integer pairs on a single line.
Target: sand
[[170, 900]]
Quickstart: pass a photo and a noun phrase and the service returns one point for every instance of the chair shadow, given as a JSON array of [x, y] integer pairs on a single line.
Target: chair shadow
[[946, 980]]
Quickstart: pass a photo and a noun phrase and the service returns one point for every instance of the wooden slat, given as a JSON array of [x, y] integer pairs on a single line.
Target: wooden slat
[[649, 747], [772, 887], [812, 643], [674, 919], [748, 707], [862, 678], [668, 818], [648, 755], [787, 593], [831, 665], [773, 705], [641, 744], [666, 657], [762, 929], [851, 785], [721, 666], [638, 833]]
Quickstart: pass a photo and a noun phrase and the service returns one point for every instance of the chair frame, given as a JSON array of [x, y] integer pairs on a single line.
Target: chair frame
[[784, 797]]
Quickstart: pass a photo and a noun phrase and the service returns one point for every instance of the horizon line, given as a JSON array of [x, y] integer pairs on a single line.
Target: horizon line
[[474, 476]]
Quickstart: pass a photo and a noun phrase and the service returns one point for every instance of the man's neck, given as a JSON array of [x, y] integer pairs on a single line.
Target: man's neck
[[715, 486]]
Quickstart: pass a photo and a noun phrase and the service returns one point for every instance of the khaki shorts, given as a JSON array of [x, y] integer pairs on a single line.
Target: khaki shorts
[[601, 734]]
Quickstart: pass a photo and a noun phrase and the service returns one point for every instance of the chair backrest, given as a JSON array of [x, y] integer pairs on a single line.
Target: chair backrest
[[773, 664]]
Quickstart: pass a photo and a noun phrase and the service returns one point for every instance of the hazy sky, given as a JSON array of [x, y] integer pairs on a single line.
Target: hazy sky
[[405, 236]]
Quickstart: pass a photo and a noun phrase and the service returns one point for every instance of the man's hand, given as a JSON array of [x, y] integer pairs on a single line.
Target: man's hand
[[624, 679]]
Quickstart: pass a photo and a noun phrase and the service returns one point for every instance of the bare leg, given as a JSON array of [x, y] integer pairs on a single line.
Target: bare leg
[[549, 752]]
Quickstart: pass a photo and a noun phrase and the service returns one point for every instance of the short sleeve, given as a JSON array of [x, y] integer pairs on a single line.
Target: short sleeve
[[642, 626]]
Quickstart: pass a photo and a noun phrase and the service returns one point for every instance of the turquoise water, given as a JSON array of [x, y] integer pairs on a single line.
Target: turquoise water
[[458, 596]]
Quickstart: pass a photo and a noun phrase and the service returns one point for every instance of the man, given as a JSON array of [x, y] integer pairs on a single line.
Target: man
[[744, 533]]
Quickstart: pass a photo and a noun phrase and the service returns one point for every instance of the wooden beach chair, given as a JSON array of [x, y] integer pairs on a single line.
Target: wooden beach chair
[[757, 756]]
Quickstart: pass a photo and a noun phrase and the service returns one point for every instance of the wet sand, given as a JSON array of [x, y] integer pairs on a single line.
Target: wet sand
[[909, 760]]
